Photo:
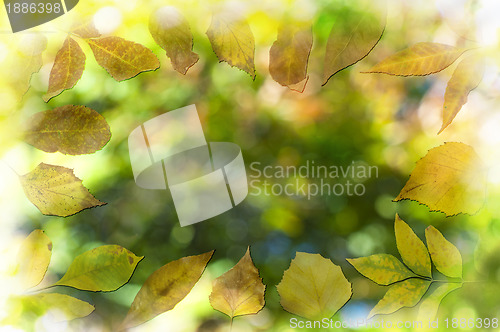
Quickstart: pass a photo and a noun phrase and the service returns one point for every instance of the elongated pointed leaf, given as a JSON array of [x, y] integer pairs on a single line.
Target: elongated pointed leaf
[[239, 291], [67, 69], [166, 287], [313, 287], [450, 178], [384, 269], [465, 78], [233, 41], [121, 58], [56, 191], [429, 307], [445, 255], [412, 249], [171, 31], [34, 258], [418, 60], [402, 294], [104, 268]]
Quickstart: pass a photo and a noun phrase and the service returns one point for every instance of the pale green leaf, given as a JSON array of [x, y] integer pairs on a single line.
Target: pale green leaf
[[33, 259], [444, 254], [384, 269], [429, 307]]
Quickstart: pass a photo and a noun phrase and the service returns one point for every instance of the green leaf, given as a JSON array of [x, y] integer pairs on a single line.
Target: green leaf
[[171, 31], [445, 255], [104, 268], [429, 307], [67, 69], [384, 269], [402, 294], [233, 41], [313, 287], [412, 249], [68, 129], [450, 179], [121, 58], [56, 191], [33, 259], [166, 287]]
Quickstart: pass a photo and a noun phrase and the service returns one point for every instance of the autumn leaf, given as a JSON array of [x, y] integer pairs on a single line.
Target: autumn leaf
[[313, 287], [233, 41], [429, 307], [465, 78], [239, 291], [68, 129], [105, 268], [85, 29], [445, 255], [171, 31], [56, 191], [418, 60], [289, 55], [384, 269], [450, 179], [166, 287], [402, 294], [34, 258], [67, 69], [121, 58], [412, 249], [352, 38]]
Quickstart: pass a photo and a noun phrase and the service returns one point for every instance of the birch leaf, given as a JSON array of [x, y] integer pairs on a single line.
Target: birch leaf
[[384, 269], [429, 307], [444, 254], [34, 258]]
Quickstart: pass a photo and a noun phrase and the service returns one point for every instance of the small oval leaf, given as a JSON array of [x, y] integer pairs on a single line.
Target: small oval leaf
[[444, 254], [34, 259], [384, 269]]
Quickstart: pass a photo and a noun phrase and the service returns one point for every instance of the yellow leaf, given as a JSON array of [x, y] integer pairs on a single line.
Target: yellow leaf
[[313, 287], [429, 307], [34, 258], [67, 69], [121, 58], [166, 287], [85, 29], [445, 255], [412, 249], [105, 268], [239, 291], [384, 269], [418, 60], [289, 55], [465, 78], [233, 41], [171, 31], [402, 294], [450, 179], [56, 191], [353, 37]]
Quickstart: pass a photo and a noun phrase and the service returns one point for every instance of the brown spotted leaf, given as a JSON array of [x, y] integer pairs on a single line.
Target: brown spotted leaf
[[56, 191], [384, 269], [418, 60], [121, 58], [444, 254], [171, 31], [166, 287], [68, 129], [33, 259]]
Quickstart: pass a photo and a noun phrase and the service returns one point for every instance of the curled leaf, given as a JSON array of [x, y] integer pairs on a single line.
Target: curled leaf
[[444, 254], [313, 287], [34, 258], [384, 269], [429, 307]]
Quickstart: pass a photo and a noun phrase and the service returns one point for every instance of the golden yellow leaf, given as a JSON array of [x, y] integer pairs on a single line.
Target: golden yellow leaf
[[353, 36], [412, 249], [105, 268], [450, 179], [171, 31], [68, 129], [429, 307], [34, 258], [418, 60], [402, 294], [67, 69], [239, 291], [289, 55], [313, 287], [384, 269], [121, 58], [445, 255], [465, 78], [56, 191], [233, 41], [166, 287]]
